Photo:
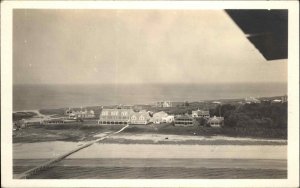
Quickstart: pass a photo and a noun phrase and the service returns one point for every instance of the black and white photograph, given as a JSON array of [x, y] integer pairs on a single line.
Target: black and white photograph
[[136, 93]]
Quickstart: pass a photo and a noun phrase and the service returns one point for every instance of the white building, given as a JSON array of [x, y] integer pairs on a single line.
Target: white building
[[82, 114], [140, 118], [250, 100], [115, 116], [158, 117], [216, 121], [168, 119], [200, 113]]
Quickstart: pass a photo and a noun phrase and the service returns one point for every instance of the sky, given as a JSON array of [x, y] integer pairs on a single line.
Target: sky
[[135, 46]]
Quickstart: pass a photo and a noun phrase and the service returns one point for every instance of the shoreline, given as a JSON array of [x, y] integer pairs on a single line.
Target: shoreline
[[104, 150]]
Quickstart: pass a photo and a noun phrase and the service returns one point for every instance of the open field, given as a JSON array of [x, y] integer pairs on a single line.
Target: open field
[[146, 138], [42, 133], [137, 134]]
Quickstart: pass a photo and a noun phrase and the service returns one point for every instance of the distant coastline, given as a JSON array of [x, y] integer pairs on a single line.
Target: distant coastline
[[47, 96]]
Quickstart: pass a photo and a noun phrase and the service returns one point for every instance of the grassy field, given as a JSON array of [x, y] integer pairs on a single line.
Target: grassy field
[[208, 131], [23, 115], [87, 131], [192, 142], [43, 133]]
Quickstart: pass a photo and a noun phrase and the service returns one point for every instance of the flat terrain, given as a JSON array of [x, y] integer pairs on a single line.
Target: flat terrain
[[146, 138], [133, 134], [42, 133]]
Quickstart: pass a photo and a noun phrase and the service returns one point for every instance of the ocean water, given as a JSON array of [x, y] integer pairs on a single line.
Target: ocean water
[[27, 97], [122, 168]]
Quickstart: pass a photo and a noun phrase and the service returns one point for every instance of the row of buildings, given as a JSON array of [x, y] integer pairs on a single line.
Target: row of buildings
[[71, 116], [191, 120], [128, 116], [251, 100], [124, 116], [79, 114]]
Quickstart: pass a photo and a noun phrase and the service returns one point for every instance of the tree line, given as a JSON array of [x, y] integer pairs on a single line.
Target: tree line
[[258, 115]]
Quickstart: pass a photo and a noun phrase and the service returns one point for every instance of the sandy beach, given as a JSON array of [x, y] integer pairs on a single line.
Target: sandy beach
[[49, 150]]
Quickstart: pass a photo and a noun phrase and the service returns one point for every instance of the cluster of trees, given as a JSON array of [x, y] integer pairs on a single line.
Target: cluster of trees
[[261, 115]]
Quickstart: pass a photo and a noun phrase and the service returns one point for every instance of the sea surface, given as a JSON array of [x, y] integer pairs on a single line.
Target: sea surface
[[122, 168], [29, 97]]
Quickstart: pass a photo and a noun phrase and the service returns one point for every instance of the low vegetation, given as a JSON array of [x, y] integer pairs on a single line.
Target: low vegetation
[[23, 115], [43, 133]]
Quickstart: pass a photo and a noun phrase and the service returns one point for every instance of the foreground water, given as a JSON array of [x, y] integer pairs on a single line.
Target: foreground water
[[27, 97], [153, 161], [160, 168]]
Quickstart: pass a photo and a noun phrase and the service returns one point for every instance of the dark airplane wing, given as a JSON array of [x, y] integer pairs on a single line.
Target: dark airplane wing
[[267, 30]]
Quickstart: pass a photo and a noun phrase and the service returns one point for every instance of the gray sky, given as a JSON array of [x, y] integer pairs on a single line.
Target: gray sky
[[135, 46]]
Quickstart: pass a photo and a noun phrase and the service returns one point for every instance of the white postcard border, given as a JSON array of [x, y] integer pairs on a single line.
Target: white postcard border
[[293, 93]]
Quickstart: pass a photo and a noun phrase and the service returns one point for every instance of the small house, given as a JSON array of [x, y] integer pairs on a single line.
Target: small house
[[168, 119], [158, 117], [276, 101], [184, 120], [216, 121], [140, 118], [250, 100], [85, 114], [82, 114], [200, 113]]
